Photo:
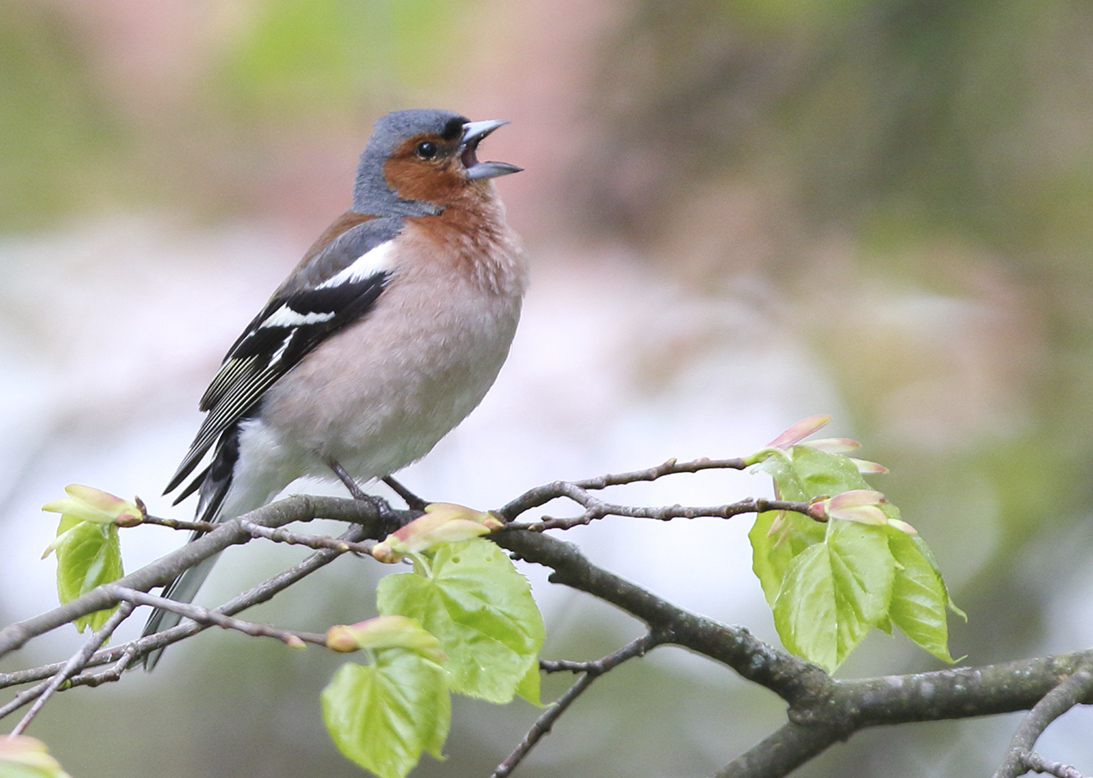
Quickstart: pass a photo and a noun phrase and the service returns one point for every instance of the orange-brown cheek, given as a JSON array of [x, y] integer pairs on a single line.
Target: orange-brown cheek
[[412, 179]]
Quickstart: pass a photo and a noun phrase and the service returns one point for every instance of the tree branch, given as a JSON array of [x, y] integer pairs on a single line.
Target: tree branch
[[590, 672], [1054, 704], [1038, 764], [787, 676], [75, 664], [598, 509], [822, 711], [213, 618], [540, 495], [130, 652], [167, 568]]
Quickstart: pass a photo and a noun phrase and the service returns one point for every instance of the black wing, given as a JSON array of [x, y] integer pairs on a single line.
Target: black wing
[[339, 285]]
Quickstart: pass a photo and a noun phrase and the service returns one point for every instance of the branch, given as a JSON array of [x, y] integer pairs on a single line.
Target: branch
[[130, 652], [541, 495], [784, 751], [213, 618], [1053, 705], [591, 671], [1037, 764], [281, 535], [167, 568], [598, 509], [787, 676], [822, 711], [74, 665]]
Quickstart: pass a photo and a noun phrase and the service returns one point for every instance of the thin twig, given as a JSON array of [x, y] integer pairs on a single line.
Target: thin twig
[[591, 671], [1038, 764], [597, 509], [164, 570], [75, 664], [564, 666], [193, 526], [257, 594], [211, 617], [541, 495], [1054, 704], [282, 535], [130, 652]]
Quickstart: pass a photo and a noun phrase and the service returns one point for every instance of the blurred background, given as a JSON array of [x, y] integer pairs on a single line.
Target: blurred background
[[739, 214]]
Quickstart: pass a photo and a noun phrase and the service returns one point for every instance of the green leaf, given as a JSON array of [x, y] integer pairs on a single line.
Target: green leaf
[[919, 597], [528, 688], [777, 538], [27, 757], [384, 715], [482, 612], [800, 474], [88, 554], [818, 473], [833, 592], [828, 584]]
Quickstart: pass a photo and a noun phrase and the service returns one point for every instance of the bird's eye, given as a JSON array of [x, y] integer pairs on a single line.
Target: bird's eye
[[426, 149]]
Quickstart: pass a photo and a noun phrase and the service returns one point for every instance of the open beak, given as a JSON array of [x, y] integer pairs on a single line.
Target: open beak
[[473, 133]]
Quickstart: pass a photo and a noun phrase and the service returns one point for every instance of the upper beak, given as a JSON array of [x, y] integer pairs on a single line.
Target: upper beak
[[473, 133]]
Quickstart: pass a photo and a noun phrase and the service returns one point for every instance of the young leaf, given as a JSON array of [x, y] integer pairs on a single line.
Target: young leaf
[[385, 632], [382, 716], [529, 685], [919, 597], [777, 538], [833, 592], [88, 554], [804, 610], [86, 503], [829, 583], [442, 522], [27, 757], [818, 474], [482, 612]]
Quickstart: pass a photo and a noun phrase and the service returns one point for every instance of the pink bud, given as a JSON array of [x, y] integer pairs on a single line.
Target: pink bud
[[865, 467], [85, 503], [799, 432], [384, 632], [442, 523], [859, 505], [834, 445], [903, 526]]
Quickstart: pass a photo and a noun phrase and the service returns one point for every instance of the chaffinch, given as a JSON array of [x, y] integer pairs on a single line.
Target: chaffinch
[[387, 334]]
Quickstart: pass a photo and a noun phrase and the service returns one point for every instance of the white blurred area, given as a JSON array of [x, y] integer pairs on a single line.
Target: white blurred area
[[110, 330]]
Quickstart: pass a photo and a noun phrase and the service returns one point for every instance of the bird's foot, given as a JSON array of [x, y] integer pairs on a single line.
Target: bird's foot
[[413, 502], [383, 508]]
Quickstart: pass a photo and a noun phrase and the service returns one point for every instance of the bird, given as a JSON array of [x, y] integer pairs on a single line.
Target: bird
[[388, 333]]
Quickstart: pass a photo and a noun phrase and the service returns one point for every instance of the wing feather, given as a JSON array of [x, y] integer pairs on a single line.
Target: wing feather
[[334, 287]]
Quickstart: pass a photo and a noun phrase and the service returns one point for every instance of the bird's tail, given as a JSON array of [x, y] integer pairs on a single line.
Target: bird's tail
[[214, 483], [182, 589], [222, 497]]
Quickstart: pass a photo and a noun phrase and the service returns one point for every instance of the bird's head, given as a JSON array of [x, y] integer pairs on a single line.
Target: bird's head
[[421, 161]]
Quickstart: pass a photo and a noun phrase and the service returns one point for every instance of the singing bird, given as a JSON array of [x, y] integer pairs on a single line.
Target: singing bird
[[386, 335]]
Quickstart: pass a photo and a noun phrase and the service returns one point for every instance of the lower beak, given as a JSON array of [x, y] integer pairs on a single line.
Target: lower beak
[[473, 134]]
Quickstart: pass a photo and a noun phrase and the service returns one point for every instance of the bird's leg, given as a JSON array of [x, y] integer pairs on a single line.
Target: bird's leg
[[413, 502], [384, 508], [354, 488]]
